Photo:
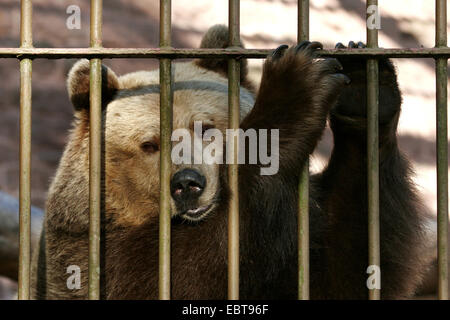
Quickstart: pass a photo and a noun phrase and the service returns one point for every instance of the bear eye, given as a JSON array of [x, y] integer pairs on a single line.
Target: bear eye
[[149, 147]]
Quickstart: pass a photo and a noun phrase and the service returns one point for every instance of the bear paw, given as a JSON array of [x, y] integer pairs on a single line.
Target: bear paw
[[352, 101], [297, 78]]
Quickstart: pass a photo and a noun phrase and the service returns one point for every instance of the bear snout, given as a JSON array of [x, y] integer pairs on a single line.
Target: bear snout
[[186, 186]]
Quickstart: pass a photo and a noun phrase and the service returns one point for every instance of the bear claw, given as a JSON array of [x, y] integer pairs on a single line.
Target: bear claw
[[307, 45], [351, 45], [361, 45], [278, 52]]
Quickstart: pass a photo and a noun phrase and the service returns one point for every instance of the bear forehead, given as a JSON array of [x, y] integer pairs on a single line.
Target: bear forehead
[[197, 93]]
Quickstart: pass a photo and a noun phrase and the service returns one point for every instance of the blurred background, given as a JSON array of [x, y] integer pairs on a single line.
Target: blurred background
[[264, 24]]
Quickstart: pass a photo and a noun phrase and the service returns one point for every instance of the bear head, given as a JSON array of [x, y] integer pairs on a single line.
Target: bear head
[[131, 133]]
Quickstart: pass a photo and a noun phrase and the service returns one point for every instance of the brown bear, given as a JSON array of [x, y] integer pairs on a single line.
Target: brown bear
[[298, 92]]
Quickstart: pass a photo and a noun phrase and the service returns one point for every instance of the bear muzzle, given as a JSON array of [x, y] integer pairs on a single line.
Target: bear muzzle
[[186, 187]]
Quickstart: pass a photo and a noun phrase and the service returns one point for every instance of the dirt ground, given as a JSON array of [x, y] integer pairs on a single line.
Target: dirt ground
[[264, 24]]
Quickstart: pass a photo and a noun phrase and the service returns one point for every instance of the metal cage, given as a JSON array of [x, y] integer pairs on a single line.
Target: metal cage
[[165, 53]]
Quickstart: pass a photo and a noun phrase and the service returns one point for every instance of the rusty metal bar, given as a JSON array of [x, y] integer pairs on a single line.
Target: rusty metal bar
[[26, 52], [303, 188], [25, 153], [166, 101], [442, 151], [233, 173], [173, 53], [373, 155], [95, 152]]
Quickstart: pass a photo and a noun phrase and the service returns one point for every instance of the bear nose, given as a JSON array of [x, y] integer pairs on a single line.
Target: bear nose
[[187, 184]]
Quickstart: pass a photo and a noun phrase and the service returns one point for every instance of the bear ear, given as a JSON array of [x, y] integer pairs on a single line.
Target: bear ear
[[78, 85], [217, 38]]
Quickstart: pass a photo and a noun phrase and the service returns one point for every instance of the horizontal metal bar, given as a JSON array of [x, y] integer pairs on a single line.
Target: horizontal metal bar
[[159, 53]]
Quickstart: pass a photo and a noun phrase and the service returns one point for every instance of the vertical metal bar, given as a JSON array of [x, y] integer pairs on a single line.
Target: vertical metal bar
[[233, 123], [25, 152], [303, 187], [166, 98], [441, 150], [95, 152], [373, 154]]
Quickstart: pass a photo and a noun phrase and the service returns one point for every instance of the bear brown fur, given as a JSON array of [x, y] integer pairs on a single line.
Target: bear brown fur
[[298, 92]]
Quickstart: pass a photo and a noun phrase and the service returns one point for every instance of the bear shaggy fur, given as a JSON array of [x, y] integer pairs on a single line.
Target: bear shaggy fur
[[298, 93]]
